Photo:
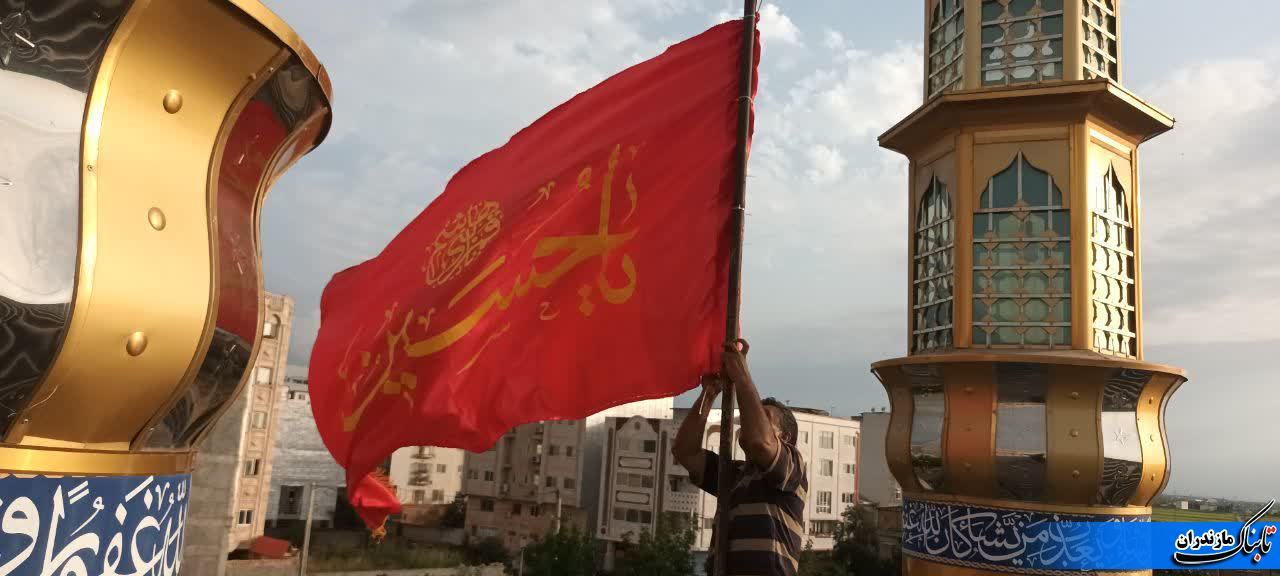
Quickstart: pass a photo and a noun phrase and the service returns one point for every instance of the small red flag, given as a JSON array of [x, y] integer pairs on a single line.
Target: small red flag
[[581, 266]]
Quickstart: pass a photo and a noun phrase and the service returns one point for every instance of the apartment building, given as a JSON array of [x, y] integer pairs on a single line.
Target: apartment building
[[515, 488], [875, 483], [426, 479], [230, 485], [640, 479], [301, 461]]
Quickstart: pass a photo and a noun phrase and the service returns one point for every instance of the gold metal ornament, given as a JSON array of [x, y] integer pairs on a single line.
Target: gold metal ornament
[[172, 101], [128, 343]]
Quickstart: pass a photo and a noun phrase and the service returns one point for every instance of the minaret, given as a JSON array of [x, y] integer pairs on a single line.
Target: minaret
[[1024, 396]]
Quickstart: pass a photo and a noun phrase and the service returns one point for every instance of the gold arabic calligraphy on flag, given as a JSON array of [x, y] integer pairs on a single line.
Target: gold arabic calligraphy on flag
[[459, 244]]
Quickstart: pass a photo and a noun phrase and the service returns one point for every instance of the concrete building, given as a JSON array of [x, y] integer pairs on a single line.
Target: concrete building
[[301, 460], [641, 480], [514, 489], [875, 482], [231, 482], [426, 479]]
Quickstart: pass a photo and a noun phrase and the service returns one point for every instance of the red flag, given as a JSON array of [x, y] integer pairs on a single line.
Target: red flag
[[581, 266]]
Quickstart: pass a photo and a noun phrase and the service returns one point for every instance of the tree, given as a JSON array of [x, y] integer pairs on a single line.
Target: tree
[[667, 550], [567, 553], [818, 563], [485, 552], [857, 548], [456, 515]]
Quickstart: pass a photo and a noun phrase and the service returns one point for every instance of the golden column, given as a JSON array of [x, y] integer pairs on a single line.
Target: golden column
[[1024, 398], [138, 139]]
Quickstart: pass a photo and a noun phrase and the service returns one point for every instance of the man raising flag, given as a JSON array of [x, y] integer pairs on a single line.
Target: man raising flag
[[584, 264]]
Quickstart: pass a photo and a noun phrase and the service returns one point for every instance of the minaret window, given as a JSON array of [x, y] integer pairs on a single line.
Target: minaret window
[[946, 46], [1021, 430], [1121, 442], [927, 420], [934, 267], [1021, 261], [1021, 41], [1112, 267], [1098, 30]]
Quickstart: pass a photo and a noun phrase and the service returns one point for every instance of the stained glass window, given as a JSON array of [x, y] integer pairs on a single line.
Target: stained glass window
[[946, 46], [1021, 261], [1021, 41], [1114, 313], [1099, 34], [933, 281]]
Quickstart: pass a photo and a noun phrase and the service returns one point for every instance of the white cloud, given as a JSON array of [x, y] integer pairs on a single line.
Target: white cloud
[[777, 27], [833, 39], [1210, 195], [826, 164], [774, 25]]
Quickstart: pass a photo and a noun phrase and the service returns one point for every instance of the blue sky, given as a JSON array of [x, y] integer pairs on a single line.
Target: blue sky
[[423, 87]]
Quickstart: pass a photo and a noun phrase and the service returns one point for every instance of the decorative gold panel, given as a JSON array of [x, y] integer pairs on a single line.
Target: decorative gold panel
[[1078, 430], [971, 406], [140, 279], [159, 236], [1074, 403]]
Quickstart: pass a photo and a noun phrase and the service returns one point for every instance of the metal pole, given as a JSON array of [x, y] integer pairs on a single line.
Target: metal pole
[[738, 223], [306, 534], [559, 501]]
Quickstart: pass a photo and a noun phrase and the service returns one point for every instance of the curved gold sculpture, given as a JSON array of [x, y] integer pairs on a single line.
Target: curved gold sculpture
[[1024, 398], [138, 140]]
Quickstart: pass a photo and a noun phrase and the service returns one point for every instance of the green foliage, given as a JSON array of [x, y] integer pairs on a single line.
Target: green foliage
[[390, 557], [456, 515], [818, 563], [856, 551], [487, 551], [667, 550], [568, 553]]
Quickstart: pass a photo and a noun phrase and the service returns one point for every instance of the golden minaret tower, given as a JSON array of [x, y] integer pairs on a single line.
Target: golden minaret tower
[[1024, 397]]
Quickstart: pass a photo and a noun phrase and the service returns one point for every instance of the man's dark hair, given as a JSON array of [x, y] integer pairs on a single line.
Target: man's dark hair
[[789, 427]]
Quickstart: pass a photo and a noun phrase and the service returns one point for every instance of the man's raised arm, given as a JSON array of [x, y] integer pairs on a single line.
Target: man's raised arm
[[687, 448], [758, 440]]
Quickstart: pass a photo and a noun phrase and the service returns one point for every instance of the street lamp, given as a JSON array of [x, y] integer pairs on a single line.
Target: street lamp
[[306, 534]]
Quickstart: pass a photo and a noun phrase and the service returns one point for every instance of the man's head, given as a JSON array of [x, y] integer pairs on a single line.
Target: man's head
[[782, 418]]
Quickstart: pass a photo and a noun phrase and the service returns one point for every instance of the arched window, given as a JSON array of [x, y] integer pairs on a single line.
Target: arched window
[[1021, 41], [1114, 313], [933, 280], [271, 327], [946, 46], [1101, 59], [1021, 261]]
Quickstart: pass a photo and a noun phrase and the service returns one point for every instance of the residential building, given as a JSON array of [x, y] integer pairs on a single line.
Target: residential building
[[875, 482], [514, 489], [231, 481], [426, 479], [641, 480], [301, 461]]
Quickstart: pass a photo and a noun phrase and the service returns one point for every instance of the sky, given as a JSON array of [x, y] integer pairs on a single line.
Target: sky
[[423, 87]]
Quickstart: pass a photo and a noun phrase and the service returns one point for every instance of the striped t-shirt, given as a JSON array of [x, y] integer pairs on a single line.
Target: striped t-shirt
[[766, 514]]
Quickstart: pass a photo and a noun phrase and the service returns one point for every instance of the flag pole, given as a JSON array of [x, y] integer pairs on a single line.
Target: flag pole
[[737, 223]]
